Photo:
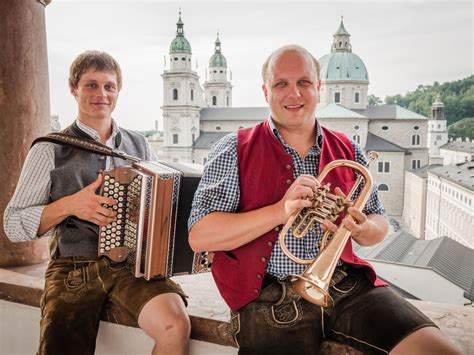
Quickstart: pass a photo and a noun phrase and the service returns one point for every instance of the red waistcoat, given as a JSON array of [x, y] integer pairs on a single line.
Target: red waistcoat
[[266, 172]]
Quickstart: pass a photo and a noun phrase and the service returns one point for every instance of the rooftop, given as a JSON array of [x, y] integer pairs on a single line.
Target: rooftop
[[461, 174]]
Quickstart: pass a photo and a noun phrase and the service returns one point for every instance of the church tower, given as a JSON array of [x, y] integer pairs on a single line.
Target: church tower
[[344, 77], [182, 101], [218, 91], [437, 130]]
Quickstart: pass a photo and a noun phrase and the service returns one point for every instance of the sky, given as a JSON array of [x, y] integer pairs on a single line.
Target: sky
[[402, 43]]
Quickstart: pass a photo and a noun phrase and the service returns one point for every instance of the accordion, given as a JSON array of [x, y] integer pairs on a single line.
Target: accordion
[[150, 232]]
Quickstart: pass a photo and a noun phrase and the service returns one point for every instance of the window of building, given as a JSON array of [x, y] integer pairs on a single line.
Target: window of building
[[214, 101], [356, 138], [183, 59], [415, 164], [383, 187], [175, 58], [227, 101], [416, 128], [438, 137], [175, 139], [356, 127], [192, 95], [193, 137], [383, 167], [384, 128], [356, 97], [337, 97], [415, 139], [175, 94], [218, 128]]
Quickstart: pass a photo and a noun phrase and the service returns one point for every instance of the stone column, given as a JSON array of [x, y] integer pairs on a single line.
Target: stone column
[[24, 108]]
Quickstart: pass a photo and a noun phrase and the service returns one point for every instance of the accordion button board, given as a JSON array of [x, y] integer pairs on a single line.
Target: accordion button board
[[152, 209]]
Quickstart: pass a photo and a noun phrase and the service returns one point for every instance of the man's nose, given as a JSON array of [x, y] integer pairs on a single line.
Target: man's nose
[[294, 90], [102, 91]]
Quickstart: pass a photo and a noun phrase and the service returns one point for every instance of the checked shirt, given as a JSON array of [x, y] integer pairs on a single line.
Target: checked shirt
[[219, 191]]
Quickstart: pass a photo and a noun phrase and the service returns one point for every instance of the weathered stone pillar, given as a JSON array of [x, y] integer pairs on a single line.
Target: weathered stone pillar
[[24, 108]]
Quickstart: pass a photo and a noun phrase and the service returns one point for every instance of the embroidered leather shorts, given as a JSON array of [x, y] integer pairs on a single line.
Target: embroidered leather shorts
[[75, 292], [371, 319]]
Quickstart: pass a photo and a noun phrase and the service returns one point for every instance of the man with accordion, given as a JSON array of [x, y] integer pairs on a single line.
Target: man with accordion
[[253, 184], [57, 196]]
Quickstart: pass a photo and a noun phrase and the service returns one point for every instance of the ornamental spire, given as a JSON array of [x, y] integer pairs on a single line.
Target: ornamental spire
[[341, 40]]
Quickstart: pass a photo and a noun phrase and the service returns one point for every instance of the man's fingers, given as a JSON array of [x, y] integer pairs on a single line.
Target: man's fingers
[[359, 216], [96, 184]]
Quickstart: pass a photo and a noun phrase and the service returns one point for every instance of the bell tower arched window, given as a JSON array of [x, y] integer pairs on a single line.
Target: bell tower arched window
[[214, 101], [175, 94]]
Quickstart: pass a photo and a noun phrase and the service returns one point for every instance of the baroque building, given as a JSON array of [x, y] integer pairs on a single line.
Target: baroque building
[[195, 118]]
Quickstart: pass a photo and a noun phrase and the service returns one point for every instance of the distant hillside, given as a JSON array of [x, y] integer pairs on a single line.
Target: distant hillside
[[463, 128], [457, 96]]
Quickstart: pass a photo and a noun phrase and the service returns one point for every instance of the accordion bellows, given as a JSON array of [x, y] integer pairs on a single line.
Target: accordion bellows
[[150, 232]]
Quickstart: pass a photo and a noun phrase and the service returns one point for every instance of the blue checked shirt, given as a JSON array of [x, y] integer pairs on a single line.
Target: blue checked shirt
[[219, 191]]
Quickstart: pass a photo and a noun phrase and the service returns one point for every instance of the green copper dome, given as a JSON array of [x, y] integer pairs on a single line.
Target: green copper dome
[[217, 59], [180, 43], [343, 66]]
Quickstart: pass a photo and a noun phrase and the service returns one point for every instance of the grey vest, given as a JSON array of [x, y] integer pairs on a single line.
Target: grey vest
[[74, 170]]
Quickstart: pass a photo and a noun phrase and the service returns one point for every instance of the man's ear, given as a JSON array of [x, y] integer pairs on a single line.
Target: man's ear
[[319, 85], [265, 92], [73, 92]]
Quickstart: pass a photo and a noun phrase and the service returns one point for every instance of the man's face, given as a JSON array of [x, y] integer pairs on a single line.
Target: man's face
[[291, 91], [96, 94]]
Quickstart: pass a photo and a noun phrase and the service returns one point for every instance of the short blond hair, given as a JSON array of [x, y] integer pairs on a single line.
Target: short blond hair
[[267, 67], [98, 60]]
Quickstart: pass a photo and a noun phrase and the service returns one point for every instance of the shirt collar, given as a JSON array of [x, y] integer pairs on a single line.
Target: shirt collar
[[114, 139], [319, 132]]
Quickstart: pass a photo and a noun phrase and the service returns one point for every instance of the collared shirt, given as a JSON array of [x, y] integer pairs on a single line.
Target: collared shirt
[[23, 213], [219, 191]]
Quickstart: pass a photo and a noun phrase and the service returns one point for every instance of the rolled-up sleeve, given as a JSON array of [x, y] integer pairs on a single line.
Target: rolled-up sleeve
[[219, 189], [23, 213]]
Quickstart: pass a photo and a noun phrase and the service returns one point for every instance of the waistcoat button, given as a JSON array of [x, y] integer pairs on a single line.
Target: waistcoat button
[[259, 276], [270, 244], [264, 259], [288, 181], [256, 290], [288, 166]]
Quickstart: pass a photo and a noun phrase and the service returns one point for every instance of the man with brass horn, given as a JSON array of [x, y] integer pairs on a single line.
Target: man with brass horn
[[252, 184]]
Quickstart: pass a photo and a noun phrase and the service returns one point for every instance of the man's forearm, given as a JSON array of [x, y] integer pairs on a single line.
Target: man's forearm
[[226, 231], [53, 214]]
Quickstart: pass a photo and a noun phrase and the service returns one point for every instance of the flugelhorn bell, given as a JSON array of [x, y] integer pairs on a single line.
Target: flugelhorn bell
[[313, 284]]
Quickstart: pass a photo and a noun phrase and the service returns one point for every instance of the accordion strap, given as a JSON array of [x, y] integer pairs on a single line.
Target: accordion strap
[[84, 144]]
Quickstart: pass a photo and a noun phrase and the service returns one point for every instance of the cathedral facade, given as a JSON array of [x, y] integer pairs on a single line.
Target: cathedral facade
[[196, 116]]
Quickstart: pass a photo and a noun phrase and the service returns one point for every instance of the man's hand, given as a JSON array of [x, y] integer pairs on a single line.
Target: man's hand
[[86, 205], [296, 196], [365, 230]]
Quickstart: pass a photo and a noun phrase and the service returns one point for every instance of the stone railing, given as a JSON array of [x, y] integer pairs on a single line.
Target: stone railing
[[209, 314]]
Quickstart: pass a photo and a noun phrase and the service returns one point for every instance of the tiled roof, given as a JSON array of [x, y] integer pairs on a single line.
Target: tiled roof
[[379, 144], [390, 112], [207, 139], [467, 147], [445, 256], [461, 174]]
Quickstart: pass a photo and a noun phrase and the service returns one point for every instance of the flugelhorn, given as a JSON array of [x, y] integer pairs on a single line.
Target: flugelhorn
[[313, 284]]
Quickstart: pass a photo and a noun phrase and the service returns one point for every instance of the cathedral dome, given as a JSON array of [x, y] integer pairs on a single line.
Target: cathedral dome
[[180, 44], [343, 65], [217, 59]]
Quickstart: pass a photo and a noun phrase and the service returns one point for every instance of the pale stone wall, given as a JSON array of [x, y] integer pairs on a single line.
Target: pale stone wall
[[394, 179], [347, 90], [451, 157], [400, 131], [349, 126], [449, 211], [414, 204]]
